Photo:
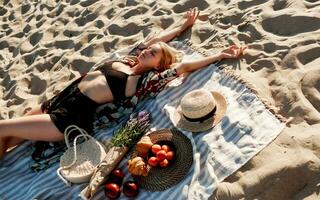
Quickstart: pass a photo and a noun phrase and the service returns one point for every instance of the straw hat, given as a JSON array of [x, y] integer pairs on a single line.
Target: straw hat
[[158, 178], [199, 110]]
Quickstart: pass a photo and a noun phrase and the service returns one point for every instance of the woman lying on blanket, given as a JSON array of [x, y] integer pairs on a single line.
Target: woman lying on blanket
[[118, 84]]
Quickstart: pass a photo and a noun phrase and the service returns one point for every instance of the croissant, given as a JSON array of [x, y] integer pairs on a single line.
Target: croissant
[[138, 167], [144, 145]]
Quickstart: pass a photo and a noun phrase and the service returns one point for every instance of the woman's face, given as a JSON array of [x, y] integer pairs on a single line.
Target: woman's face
[[151, 56]]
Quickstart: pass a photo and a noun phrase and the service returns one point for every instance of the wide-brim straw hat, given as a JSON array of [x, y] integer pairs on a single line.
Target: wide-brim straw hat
[[160, 179], [199, 110]]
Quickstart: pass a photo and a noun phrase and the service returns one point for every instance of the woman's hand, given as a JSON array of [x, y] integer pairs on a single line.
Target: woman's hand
[[192, 16], [232, 52], [167, 35]]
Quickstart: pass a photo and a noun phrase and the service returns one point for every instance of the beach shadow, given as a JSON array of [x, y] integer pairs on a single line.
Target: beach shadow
[[233, 132], [233, 64]]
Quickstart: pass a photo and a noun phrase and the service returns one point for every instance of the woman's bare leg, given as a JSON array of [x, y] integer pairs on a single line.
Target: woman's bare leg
[[11, 142], [35, 111], [2, 147], [33, 127]]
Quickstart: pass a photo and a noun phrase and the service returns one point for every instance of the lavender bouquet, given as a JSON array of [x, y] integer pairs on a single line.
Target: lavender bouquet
[[134, 129], [125, 138]]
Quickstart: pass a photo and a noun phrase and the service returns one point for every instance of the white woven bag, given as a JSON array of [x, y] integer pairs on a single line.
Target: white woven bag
[[79, 161]]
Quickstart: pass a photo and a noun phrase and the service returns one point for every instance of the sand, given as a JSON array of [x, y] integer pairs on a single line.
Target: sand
[[44, 45]]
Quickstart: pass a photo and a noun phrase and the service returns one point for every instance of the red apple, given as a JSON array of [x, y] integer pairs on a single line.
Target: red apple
[[112, 190], [155, 148], [161, 155], [130, 189], [165, 147], [116, 176], [164, 163], [170, 155]]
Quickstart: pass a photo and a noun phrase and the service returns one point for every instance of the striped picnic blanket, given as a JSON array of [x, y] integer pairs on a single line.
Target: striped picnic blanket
[[249, 125]]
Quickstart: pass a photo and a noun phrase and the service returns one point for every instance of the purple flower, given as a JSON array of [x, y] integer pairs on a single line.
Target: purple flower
[[142, 114], [144, 119]]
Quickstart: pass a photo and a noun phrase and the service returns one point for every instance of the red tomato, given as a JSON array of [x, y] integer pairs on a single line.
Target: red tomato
[[161, 155], [164, 163], [112, 190], [165, 147], [155, 148], [153, 161], [170, 155]]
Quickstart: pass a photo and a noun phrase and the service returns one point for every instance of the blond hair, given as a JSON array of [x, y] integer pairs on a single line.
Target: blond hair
[[169, 56]]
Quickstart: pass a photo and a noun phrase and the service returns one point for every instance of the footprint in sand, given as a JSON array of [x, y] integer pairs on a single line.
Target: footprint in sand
[[35, 38], [64, 44], [86, 17], [81, 66], [13, 98], [184, 6], [288, 25], [242, 5], [110, 13], [70, 33], [282, 4], [29, 18], [4, 45], [88, 51], [162, 11], [5, 26], [38, 17], [311, 3], [263, 64], [88, 3], [166, 22], [37, 85], [310, 86], [19, 35], [25, 8], [308, 56], [39, 24], [126, 30], [3, 11], [27, 28], [14, 51], [31, 57], [249, 32], [12, 17], [134, 12], [109, 45], [42, 66], [99, 24], [74, 2], [8, 83]]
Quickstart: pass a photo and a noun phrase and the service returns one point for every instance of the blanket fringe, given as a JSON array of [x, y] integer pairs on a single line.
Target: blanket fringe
[[250, 86]]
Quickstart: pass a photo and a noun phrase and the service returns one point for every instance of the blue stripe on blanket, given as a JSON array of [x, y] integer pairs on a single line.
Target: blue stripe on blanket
[[247, 127]]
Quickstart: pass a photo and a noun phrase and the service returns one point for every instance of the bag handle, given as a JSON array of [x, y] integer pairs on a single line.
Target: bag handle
[[72, 163], [84, 134], [67, 132]]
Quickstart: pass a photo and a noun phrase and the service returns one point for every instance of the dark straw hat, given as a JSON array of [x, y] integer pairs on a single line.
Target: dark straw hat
[[159, 178]]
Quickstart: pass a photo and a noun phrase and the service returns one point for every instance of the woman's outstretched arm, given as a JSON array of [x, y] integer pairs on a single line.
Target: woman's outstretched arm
[[231, 52], [167, 35]]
